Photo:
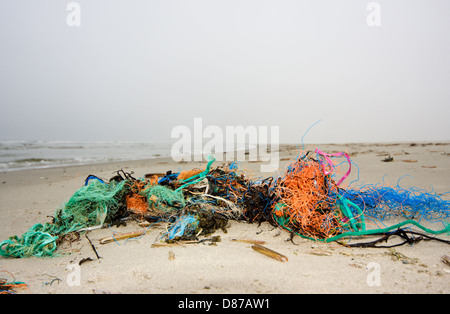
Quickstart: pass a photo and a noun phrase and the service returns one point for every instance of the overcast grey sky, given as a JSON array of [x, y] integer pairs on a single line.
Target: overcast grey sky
[[134, 69]]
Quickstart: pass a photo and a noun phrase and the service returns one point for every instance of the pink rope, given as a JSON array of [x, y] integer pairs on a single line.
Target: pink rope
[[331, 164]]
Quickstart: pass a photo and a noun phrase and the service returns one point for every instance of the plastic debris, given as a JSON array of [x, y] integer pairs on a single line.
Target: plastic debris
[[8, 286], [306, 200]]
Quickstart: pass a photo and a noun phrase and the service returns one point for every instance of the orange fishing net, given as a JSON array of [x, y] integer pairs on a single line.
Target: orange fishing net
[[183, 175], [305, 201], [136, 201], [137, 204]]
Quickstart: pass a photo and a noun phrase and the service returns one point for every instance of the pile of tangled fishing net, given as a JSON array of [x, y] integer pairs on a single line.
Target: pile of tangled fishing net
[[306, 200]]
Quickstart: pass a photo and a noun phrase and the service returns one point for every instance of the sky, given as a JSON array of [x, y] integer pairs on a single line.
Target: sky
[[133, 70]]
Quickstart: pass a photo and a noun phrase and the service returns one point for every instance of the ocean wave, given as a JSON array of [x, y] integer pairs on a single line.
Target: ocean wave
[[18, 154], [33, 160]]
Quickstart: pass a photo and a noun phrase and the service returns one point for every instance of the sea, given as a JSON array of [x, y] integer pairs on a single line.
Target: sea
[[19, 155]]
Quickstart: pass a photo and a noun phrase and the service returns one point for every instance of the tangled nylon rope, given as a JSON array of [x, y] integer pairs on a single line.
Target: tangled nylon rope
[[312, 205], [91, 205], [306, 201]]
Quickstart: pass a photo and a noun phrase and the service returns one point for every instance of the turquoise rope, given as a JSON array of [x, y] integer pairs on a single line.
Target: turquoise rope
[[198, 177], [345, 208], [368, 232], [358, 228]]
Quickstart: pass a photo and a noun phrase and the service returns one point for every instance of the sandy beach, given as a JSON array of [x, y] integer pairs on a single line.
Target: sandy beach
[[31, 196]]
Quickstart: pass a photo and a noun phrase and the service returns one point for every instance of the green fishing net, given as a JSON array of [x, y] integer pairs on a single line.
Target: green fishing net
[[91, 205], [165, 195]]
